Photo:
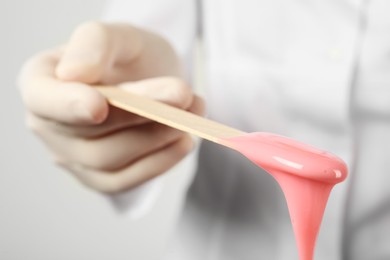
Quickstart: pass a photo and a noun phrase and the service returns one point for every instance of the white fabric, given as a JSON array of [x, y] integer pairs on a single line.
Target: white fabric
[[140, 200], [317, 71]]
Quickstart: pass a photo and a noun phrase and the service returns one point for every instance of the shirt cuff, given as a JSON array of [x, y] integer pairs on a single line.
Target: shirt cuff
[[138, 201]]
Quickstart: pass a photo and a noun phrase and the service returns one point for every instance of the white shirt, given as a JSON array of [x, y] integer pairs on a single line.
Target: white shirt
[[317, 71]]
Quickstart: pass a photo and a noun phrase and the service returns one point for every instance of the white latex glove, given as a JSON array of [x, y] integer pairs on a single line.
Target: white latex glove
[[106, 148]]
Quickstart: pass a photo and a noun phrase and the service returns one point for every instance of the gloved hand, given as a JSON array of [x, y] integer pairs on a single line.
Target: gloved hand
[[107, 149]]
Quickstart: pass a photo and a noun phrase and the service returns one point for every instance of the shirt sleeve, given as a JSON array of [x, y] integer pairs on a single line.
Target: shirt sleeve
[[176, 21]]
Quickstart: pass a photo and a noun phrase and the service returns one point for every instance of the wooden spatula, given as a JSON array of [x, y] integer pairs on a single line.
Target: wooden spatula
[[168, 115]]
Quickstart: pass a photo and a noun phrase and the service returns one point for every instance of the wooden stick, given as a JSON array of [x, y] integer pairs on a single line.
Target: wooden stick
[[168, 115]]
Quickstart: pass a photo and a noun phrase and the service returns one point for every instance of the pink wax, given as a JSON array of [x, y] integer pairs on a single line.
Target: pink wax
[[305, 174]]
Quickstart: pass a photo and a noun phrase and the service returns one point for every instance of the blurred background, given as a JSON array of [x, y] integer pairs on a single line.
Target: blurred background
[[44, 212]]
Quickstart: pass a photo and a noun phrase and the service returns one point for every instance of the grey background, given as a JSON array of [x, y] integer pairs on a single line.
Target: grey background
[[44, 212]]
